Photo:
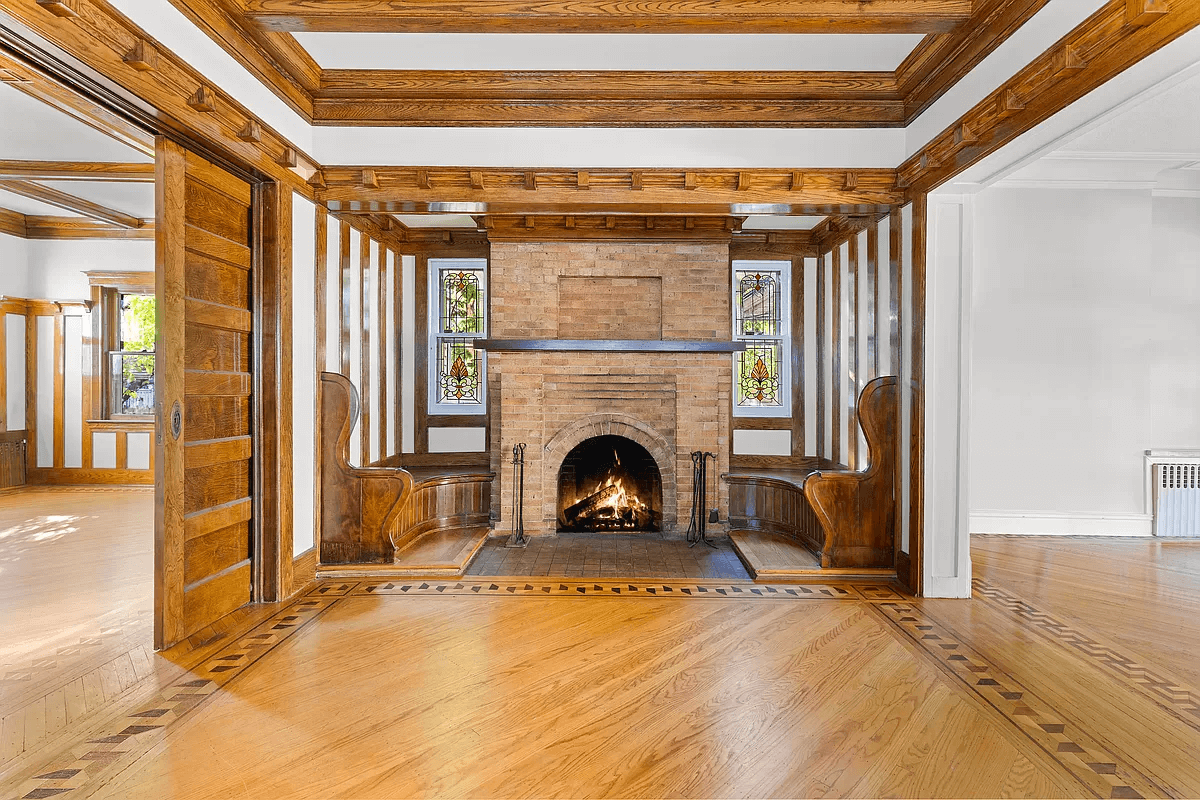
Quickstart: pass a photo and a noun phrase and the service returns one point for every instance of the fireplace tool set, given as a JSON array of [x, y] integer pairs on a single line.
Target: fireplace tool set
[[701, 514], [517, 539]]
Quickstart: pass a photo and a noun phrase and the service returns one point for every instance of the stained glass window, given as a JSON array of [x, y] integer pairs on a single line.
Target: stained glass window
[[761, 321], [459, 304]]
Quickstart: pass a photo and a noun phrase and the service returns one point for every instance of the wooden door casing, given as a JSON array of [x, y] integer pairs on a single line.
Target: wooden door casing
[[203, 533]]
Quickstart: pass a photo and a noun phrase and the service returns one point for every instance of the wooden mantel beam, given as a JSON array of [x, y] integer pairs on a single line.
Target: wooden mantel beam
[[76, 171], [604, 16], [69, 202]]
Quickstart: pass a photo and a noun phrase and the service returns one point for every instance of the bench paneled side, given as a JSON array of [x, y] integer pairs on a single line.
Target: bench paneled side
[[360, 507], [856, 509]]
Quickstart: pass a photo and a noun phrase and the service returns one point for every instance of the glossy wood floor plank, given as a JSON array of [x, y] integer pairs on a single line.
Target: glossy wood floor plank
[[575, 698]]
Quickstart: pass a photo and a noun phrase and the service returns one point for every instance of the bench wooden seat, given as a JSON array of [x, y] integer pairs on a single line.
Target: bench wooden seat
[[390, 515], [843, 517]]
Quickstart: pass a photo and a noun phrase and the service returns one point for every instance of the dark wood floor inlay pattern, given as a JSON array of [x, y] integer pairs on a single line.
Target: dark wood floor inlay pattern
[[482, 587], [1086, 759], [609, 555], [1182, 701], [128, 738]]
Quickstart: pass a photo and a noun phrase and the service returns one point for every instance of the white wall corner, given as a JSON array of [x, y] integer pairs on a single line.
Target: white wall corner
[[947, 556]]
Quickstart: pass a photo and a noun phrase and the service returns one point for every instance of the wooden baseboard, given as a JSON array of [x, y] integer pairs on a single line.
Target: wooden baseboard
[[304, 569], [90, 477]]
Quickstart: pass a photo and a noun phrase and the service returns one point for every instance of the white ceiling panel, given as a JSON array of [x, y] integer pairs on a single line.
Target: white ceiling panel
[[858, 52], [136, 199], [30, 130], [767, 222], [24, 205], [436, 221]]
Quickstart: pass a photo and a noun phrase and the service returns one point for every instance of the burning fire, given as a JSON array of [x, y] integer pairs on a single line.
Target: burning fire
[[612, 503]]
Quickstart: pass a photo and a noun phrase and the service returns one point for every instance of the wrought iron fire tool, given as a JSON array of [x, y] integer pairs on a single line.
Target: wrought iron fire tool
[[517, 539], [700, 512]]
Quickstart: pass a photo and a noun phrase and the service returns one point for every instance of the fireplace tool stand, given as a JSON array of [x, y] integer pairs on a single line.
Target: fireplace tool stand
[[701, 514], [517, 539]]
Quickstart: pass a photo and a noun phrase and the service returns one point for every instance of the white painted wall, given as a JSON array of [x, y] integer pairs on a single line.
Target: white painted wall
[[304, 373], [14, 363], [14, 266], [56, 266], [1085, 354]]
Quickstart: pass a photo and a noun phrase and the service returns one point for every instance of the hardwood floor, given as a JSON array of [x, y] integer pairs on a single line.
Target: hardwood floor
[[1068, 675]]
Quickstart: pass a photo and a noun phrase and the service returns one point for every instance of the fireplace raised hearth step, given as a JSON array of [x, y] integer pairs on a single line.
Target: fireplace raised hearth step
[[772, 557]]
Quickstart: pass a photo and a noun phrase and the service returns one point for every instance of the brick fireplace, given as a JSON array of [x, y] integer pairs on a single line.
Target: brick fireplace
[[670, 403]]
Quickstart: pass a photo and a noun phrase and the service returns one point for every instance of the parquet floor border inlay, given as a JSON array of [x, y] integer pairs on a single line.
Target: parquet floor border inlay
[[94, 760], [542, 587], [1086, 759], [1180, 700]]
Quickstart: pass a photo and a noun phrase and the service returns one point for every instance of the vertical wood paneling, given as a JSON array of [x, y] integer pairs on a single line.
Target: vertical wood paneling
[[835, 300], [916, 500], [896, 364], [60, 364], [202, 467]]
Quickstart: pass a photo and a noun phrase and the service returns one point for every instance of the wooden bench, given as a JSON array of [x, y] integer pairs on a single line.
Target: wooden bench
[[429, 520], [844, 517]]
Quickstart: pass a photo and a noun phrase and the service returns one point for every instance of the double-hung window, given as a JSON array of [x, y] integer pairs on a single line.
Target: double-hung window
[[762, 320], [457, 318]]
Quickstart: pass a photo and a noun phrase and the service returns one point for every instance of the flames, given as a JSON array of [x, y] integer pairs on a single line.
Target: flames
[[613, 503]]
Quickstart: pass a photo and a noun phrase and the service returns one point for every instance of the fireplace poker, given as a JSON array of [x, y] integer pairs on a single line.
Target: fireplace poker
[[700, 516], [517, 539]]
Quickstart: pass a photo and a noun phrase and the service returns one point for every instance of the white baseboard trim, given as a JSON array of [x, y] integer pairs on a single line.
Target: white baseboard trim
[[1044, 523]]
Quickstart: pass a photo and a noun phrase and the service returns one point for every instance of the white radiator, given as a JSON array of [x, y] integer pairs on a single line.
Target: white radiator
[[1177, 500]]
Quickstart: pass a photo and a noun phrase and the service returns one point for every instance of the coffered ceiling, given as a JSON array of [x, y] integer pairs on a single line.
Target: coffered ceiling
[[683, 63]]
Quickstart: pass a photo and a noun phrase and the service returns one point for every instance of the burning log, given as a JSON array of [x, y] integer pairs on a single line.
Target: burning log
[[592, 503]]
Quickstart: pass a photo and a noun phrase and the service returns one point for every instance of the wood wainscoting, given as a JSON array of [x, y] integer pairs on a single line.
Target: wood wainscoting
[[12, 459]]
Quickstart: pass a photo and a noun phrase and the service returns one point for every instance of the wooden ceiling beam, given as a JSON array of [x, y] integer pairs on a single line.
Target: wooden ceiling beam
[[504, 191], [630, 227], [608, 98], [44, 227], [602, 16], [69, 202], [76, 171], [14, 223]]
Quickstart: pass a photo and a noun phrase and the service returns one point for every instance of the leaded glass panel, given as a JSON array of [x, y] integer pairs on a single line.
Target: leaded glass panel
[[757, 306], [758, 375], [462, 301], [460, 377]]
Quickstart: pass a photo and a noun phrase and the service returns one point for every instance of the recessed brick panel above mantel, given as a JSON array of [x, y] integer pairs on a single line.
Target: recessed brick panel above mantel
[[527, 282], [671, 403]]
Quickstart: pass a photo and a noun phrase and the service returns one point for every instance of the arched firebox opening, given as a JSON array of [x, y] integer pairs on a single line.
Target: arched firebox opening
[[609, 484]]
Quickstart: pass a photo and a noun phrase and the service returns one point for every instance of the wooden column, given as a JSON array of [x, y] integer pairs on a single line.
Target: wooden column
[[895, 326], [853, 379], [170, 260], [871, 288], [835, 299], [421, 357], [363, 329], [273, 390], [345, 285], [398, 382], [916, 474]]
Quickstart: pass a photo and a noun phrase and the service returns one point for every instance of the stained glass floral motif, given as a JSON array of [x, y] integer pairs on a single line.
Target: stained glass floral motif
[[461, 318], [758, 375], [459, 376], [758, 320]]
